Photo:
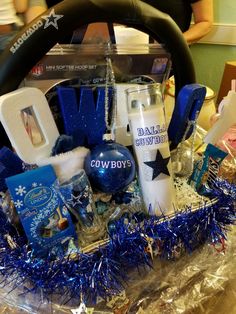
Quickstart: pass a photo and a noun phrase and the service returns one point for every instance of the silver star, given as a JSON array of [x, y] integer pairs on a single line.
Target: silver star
[[75, 200], [51, 19]]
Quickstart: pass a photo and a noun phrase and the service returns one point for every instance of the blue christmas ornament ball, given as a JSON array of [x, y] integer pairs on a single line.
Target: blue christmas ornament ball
[[110, 167]]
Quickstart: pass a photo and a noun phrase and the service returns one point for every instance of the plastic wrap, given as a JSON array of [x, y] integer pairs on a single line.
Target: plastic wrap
[[199, 283], [202, 282], [228, 167]]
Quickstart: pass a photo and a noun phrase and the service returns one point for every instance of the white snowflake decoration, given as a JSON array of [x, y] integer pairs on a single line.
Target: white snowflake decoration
[[21, 190], [34, 184], [18, 203]]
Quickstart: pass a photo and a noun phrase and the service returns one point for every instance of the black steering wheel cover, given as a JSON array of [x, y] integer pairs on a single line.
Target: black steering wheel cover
[[16, 63]]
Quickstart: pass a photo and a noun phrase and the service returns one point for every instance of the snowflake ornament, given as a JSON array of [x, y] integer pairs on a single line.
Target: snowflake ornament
[[18, 203], [21, 190]]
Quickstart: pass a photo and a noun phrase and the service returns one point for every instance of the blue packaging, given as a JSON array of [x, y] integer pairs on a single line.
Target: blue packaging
[[206, 170], [46, 221]]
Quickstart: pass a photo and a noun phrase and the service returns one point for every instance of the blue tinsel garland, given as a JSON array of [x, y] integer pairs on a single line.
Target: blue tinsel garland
[[103, 272]]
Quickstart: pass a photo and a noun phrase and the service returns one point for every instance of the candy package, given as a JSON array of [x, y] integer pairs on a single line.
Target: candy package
[[47, 223], [206, 169]]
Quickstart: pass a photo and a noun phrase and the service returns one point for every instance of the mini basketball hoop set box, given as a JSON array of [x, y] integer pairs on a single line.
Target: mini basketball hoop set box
[[103, 202]]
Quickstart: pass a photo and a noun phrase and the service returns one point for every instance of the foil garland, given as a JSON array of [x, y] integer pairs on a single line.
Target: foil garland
[[103, 270]]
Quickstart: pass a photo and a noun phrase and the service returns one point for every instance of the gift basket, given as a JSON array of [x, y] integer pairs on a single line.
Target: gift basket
[[83, 215]]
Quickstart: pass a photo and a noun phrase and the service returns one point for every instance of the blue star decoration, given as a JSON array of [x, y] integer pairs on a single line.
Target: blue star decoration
[[159, 165], [51, 19]]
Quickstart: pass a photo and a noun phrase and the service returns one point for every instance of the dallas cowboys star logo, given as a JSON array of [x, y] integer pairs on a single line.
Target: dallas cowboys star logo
[[159, 165], [51, 19], [75, 200]]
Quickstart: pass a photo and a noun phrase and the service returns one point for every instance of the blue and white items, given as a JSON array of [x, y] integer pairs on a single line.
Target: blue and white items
[[206, 170], [47, 223], [150, 142], [77, 195], [110, 167]]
